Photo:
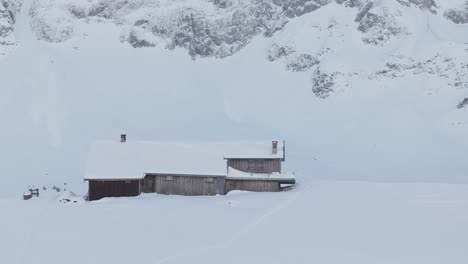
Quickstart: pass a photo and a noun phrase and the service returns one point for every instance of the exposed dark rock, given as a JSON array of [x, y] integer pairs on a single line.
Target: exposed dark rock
[[355, 3], [77, 12], [140, 22], [99, 10], [190, 28], [444, 67], [137, 42], [277, 52], [423, 4], [294, 8], [222, 3], [363, 12], [322, 83], [294, 61], [457, 16], [379, 28], [8, 11], [222, 37], [302, 63], [463, 103], [194, 33]]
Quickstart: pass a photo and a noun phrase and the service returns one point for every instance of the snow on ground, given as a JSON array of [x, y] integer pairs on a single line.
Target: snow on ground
[[233, 173], [58, 98], [318, 222]]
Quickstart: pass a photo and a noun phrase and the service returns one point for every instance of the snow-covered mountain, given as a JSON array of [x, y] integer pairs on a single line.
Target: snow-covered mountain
[[359, 88]]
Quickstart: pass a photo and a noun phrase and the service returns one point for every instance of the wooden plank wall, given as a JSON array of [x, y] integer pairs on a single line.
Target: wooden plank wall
[[187, 185], [255, 165], [101, 189], [252, 185], [180, 185]]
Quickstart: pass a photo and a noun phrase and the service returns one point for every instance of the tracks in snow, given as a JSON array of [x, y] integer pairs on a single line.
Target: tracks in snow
[[247, 229]]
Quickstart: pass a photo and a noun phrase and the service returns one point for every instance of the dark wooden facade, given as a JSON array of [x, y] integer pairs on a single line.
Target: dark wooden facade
[[252, 185], [207, 185], [112, 188], [255, 165], [183, 184]]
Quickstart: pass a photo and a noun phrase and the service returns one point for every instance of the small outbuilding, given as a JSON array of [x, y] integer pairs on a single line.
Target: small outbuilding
[[129, 168]]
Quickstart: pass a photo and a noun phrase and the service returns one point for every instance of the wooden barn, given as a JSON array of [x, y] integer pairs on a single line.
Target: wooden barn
[[129, 168]]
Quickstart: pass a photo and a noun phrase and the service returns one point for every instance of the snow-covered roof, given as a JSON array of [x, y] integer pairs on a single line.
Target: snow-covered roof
[[237, 174], [253, 150], [133, 159]]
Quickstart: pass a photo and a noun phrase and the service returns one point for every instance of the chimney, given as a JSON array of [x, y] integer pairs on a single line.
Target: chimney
[[274, 147], [284, 151], [123, 138]]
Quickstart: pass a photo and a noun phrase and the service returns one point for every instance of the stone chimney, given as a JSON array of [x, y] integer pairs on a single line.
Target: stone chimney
[[274, 147], [123, 138]]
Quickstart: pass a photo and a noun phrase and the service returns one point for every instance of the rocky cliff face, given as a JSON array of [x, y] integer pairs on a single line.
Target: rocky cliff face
[[205, 28], [210, 27], [221, 28], [8, 11], [458, 15], [216, 27]]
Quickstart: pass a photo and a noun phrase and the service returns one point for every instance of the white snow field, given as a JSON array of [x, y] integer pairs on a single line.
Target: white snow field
[[318, 222]]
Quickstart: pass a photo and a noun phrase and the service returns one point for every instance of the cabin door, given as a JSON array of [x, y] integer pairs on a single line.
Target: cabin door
[[149, 184]]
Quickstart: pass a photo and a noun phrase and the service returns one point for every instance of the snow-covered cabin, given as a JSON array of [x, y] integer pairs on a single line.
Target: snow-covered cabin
[[128, 168]]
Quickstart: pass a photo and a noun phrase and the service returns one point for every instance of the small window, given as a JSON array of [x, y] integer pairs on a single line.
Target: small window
[[169, 178], [210, 180], [256, 166]]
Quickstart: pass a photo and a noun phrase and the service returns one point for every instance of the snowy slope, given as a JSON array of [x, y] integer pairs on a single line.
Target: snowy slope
[[318, 222], [368, 90]]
